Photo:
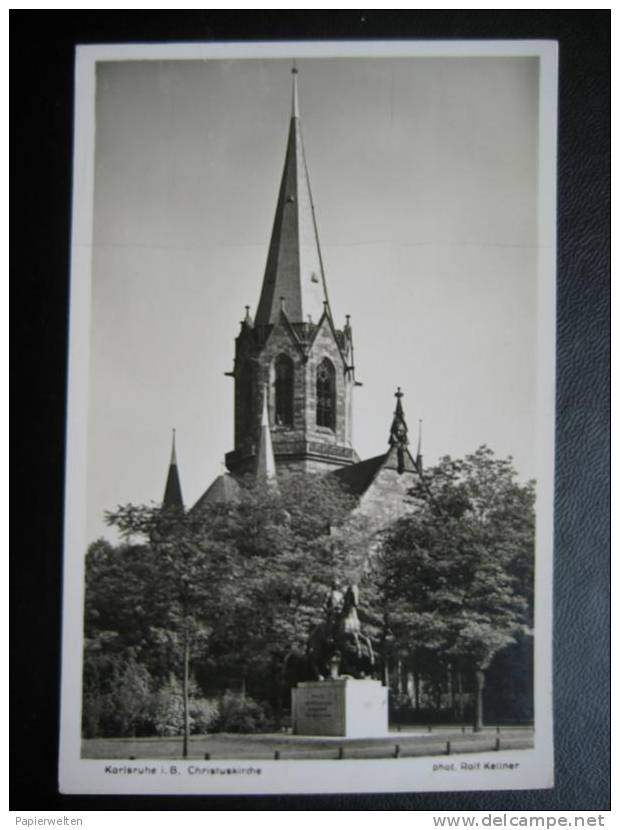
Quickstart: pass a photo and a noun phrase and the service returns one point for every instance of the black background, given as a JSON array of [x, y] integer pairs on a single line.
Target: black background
[[41, 59]]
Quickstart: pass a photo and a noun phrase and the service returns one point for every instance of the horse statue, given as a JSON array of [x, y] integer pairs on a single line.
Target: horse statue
[[337, 647]]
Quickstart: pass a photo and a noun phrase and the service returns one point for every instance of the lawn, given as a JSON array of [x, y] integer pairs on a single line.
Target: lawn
[[223, 746]]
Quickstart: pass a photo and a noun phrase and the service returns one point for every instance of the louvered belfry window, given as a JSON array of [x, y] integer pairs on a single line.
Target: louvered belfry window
[[284, 383], [326, 395]]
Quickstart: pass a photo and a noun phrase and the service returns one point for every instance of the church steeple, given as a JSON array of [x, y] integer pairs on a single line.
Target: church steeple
[[172, 494], [294, 267], [291, 358]]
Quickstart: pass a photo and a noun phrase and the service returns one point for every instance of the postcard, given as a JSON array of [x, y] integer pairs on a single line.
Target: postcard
[[310, 438]]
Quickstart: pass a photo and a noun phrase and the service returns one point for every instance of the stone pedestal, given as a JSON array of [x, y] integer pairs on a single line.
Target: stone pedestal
[[341, 708]]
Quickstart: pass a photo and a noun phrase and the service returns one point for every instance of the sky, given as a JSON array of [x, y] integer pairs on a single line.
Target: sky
[[424, 176]]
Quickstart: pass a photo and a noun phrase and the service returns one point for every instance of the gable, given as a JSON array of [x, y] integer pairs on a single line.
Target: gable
[[326, 341], [383, 491]]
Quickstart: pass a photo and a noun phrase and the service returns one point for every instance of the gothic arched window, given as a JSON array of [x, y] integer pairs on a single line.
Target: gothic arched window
[[284, 384], [326, 394]]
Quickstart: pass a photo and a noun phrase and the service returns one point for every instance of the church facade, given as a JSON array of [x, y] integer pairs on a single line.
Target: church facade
[[294, 371]]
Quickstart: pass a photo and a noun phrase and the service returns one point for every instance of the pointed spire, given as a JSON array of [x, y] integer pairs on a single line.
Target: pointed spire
[[294, 266], [265, 461], [418, 458], [173, 454], [172, 493], [295, 109]]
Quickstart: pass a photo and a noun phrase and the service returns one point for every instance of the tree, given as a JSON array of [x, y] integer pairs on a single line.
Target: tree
[[191, 574], [457, 573], [241, 583], [288, 551]]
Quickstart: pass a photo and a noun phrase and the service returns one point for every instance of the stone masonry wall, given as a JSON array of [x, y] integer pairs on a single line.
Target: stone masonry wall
[[304, 437]]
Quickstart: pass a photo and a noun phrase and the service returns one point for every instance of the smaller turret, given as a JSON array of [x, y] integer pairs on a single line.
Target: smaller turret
[[398, 431], [419, 457], [265, 461], [173, 497]]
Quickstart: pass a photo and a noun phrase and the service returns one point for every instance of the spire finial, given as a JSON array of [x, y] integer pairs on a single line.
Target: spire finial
[[173, 457], [294, 73]]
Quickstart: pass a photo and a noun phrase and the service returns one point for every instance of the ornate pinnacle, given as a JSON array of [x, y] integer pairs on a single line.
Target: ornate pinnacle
[[398, 430]]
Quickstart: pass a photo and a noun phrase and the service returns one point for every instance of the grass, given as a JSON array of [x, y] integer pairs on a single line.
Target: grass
[[222, 746]]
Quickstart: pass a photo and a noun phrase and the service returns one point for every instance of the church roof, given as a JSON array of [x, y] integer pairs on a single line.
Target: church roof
[[294, 271], [223, 490], [357, 478], [172, 493]]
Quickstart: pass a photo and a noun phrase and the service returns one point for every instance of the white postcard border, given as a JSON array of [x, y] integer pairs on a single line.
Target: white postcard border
[[534, 767]]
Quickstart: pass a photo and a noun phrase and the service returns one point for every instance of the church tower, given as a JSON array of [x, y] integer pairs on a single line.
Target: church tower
[[293, 348]]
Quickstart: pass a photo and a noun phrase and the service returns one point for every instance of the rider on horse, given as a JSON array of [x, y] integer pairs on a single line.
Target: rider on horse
[[334, 604], [340, 634]]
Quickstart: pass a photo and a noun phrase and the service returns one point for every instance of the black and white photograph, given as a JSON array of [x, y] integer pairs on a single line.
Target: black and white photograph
[[310, 446]]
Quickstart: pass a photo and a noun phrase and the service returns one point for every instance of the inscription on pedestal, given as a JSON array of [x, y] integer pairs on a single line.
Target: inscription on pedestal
[[320, 709], [347, 708]]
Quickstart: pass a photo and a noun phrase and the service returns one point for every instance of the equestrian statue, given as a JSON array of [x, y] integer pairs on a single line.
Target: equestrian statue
[[337, 647]]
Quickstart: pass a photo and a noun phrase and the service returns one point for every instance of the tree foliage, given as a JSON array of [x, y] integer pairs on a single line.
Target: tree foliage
[[233, 586], [192, 604], [455, 577]]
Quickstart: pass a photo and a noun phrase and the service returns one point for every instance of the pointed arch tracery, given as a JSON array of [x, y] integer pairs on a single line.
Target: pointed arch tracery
[[326, 394], [284, 383]]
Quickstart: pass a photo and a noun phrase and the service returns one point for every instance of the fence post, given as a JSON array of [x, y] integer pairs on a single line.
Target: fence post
[[497, 744], [448, 748], [340, 753], [207, 756], [276, 755], [397, 751]]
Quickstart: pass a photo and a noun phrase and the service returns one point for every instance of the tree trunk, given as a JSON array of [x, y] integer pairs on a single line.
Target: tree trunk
[[416, 686], [243, 690], [186, 698], [399, 677], [459, 687], [410, 686], [437, 697], [278, 674], [451, 692], [386, 672], [384, 652], [478, 720]]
